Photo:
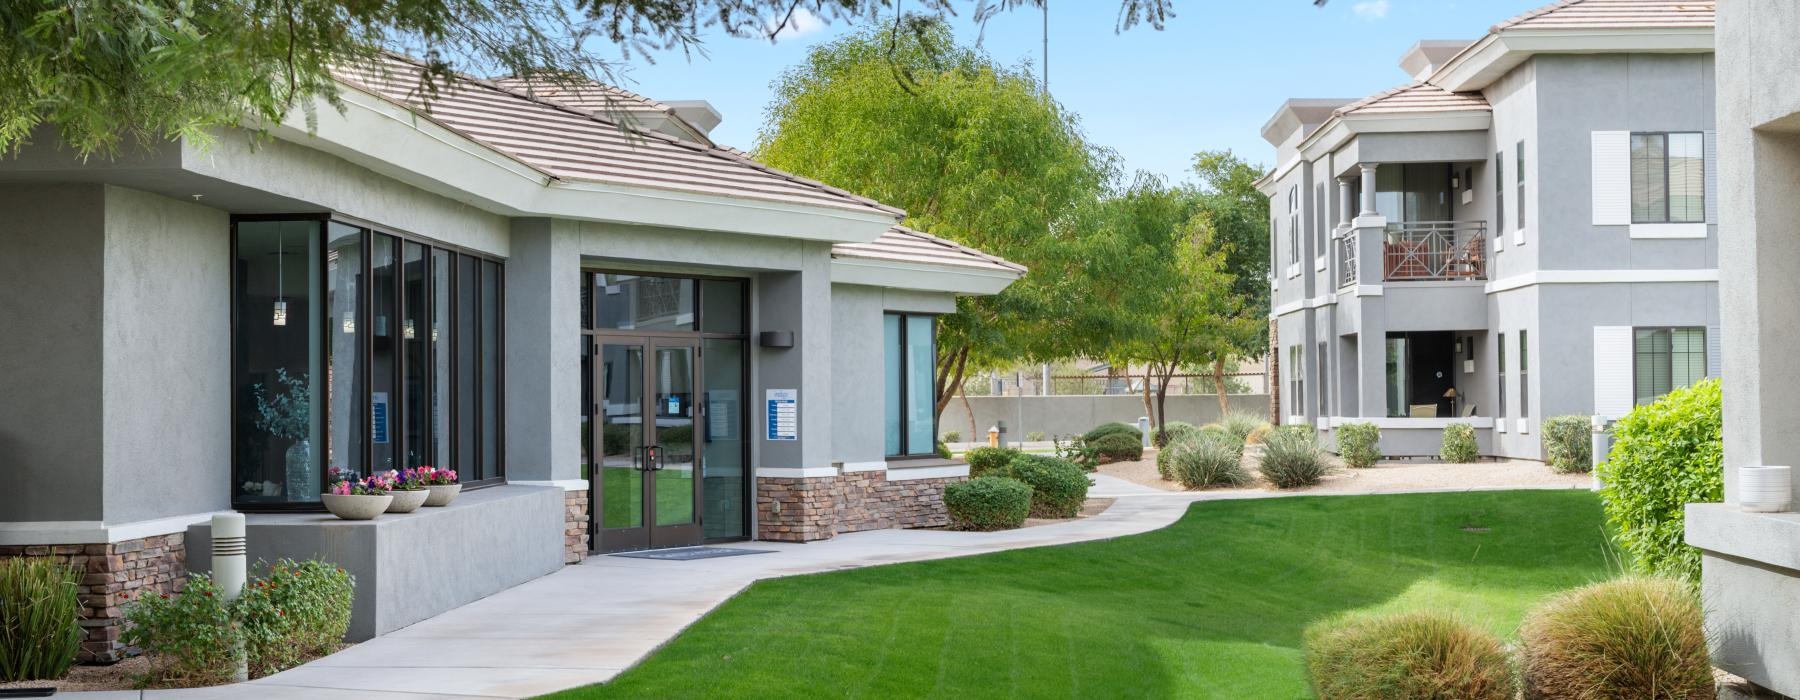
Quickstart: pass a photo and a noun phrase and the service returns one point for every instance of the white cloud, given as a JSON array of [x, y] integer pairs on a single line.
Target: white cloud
[[1370, 9], [804, 22]]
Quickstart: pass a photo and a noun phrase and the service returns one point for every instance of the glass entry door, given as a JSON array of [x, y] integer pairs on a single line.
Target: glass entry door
[[647, 487]]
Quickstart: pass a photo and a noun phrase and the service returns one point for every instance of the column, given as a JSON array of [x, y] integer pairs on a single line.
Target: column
[[543, 352], [1345, 210], [1368, 189]]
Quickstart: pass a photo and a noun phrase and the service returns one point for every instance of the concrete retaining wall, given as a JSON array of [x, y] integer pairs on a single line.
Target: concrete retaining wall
[[1073, 415]]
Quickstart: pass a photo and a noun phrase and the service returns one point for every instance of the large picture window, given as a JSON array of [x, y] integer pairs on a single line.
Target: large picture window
[[1668, 178], [359, 351], [911, 359], [1667, 359]]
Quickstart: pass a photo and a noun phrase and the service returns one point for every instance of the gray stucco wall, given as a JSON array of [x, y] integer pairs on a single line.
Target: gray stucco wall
[[858, 398], [167, 368], [1063, 416], [51, 430], [543, 352]]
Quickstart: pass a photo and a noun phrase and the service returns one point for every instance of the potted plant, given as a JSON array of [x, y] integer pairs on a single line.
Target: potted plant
[[358, 499], [408, 489], [441, 483], [288, 416]]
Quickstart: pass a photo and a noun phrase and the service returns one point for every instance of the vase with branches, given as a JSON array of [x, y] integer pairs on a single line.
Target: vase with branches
[[287, 415]]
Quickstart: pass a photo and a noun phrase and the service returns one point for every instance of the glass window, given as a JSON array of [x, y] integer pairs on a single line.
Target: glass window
[[344, 302], [911, 360], [1499, 193], [722, 459], [1297, 383], [490, 370], [1324, 369], [442, 347], [1668, 178], [1521, 175], [275, 382], [414, 359], [1398, 393], [1524, 374], [1666, 359], [633, 302], [1501, 358], [383, 353], [722, 306], [468, 366]]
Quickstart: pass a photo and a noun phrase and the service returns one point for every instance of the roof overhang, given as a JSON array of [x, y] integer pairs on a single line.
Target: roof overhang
[[1490, 57], [920, 277], [399, 143], [1337, 132]]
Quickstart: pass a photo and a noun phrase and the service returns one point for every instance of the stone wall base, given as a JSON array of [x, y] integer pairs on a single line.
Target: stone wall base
[[575, 534], [110, 572], [818, 508]]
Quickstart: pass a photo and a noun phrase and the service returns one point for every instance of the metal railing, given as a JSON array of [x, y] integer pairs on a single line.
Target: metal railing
[[1346, 259], [1435, 250]]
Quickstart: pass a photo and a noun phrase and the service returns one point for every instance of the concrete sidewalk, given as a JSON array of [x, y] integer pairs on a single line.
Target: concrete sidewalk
[[585, 624]]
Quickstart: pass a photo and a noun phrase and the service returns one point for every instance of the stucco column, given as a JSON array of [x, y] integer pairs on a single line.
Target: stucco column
[[1345, 212], [1368, 189], [543, 351], [799, 302]]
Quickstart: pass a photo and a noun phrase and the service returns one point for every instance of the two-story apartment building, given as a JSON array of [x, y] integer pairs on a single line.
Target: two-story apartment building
[[1526, 228]]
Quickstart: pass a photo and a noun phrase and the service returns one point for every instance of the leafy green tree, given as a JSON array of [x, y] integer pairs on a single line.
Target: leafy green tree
[[1239, 215], [975, 152]]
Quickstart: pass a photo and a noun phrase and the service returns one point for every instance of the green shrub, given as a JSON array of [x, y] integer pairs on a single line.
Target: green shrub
[[1664, 456], [1569, 443], [1058, 486], [676, 434], [294, 612], [1459, 444], [1242, 424], [1170, 432], [1359, 444], [952, 436], [40, 618], [1205, 459], [1421, 655], [1636, 637], [1036, 436], [1115, 428], [1291, 457], [615, 439], [987, 503], [989, 461], [1118, 447], [943, 450], [1078, 450]]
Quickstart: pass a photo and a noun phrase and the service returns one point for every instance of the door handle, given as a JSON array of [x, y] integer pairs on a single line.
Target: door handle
[[652, 458]]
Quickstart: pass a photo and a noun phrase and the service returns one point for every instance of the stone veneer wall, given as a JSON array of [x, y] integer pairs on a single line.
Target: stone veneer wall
[[109, 573], [818, 508], [575, 534]]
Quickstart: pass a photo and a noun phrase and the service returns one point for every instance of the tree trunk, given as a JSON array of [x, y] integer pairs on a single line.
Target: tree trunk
[[950, 378], [1219, 384], [973, 436]]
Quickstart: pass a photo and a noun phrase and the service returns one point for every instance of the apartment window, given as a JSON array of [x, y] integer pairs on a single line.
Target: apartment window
[[1667, 359], [1668, 178], [1297, 379], [1499, 193], [1294, 224], [1520, 167], [345, 352], [1319, 218], [1274, 254], [1524, 376], [1324, 384], [1468, 183], [1500, 398], [910, 343]]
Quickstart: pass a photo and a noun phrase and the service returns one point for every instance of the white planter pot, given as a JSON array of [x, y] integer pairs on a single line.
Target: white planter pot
[[1765, 489], [356, 507], [443, 494], [407, 501]]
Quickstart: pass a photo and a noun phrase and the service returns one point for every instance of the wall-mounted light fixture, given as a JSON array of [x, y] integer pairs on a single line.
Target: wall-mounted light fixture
[[776, 339]]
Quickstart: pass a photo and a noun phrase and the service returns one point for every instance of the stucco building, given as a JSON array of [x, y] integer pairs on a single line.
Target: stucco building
[[621, 334], [1527, 227]]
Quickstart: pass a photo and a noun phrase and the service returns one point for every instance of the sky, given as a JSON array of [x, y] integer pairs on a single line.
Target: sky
[[1208, 81]]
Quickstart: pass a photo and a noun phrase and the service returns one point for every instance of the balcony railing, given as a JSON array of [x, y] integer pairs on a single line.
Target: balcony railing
[[1435, 250], [1346, 259]]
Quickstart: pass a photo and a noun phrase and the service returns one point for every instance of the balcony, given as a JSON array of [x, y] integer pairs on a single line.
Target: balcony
[[1415, 251], [1346, 260]]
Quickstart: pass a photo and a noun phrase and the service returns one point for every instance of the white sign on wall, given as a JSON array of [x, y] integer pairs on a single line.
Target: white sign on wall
[[784, 414]]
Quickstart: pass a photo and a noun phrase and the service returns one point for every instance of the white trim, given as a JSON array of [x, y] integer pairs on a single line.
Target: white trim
[[1296, 420], [1500, 426], [52, 532], [1319, 264], [944, 471], [564, 484], [1338, 130], [921, 277], [1668, 230], [1293, 270], [1519, 237], [853, 467], [795, 472], [1601, 277], [1386, 423], [1368, 290], [1493, 55], [1288, 308], [1524, 426], [1499, 243], [1610, 172]]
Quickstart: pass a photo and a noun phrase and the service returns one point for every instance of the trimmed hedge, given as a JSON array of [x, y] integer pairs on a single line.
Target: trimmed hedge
[[1664, 456], [1412, 655], [1207, 458], [1459, 444], [1114, 428], [987, 503], [1569, 443], [1359, 444], [1636, 637], [989, 461], [1058, 486], [1291, 457], [1118, 447]]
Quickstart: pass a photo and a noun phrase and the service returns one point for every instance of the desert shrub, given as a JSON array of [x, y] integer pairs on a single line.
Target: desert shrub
[[1115, 428], [1420, 655], [1359, 444], [188, 636], [40, 618], [943, 450], [952, 436], [1291, 457], [1664, 456], [1256, 436], [987, 503], [1118, 447], [1058, 486], [1241, 424], [986, 461], [1206, 458], [1170, 432], [1569, 443], [1078, 450], [294, 612], [1636, 637], [1036, 436], [1459, 444]]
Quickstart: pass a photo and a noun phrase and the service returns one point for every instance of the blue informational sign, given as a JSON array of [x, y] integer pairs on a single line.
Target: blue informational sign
[[784, 414], [378, 414]]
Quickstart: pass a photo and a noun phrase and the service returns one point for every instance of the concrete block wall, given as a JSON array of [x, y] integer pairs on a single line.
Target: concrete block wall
[[1073, 415]]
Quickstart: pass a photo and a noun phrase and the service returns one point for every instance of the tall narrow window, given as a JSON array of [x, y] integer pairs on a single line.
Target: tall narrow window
[[1294, 224], [346, 380], [1399, 395], [1524, 374], [1324, 384], [415, 354], [468, 366], [1667, 359], [276, 380], [442, 350], [911, 360], [1668, 178], [1319, 220], [1500, 398], [490, 369], [1297, 384], [1520, 167], [1499, 194], [384, 359]]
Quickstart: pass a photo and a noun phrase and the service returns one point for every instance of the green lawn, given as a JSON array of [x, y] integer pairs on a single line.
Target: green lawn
[[622, 498], [1213, 606]]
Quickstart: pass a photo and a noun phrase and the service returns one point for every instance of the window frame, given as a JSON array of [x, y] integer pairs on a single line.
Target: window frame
[[1668, 353], [906, 452], [1519, 175], [1668, 195], [1524, 373], [1297, 385], [1499, 194], [1294, 225], [1500, 373]]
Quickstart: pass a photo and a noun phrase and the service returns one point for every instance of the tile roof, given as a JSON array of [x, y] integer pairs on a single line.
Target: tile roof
[[591, 97], [1615, 14], [570, 144], [1415, 98], [902, 244]]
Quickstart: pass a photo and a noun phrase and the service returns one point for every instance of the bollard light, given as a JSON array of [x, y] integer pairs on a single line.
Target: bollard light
[[1600, 444], [1144, 430], [229, 569]]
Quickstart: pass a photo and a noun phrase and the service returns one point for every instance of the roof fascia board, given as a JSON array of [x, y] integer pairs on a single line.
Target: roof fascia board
[[1490, 58], [1340, 130], [925, 278]]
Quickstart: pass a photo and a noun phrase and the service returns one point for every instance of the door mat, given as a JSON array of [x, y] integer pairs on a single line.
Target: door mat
[[687, 553]]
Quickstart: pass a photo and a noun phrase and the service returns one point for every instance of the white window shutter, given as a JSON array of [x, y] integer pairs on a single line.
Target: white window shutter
[[1712, 184], [1715, 351], [1612, 371], [1612, 178]]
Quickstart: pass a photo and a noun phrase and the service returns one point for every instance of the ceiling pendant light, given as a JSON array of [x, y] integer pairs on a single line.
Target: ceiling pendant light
[[280, 301]]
